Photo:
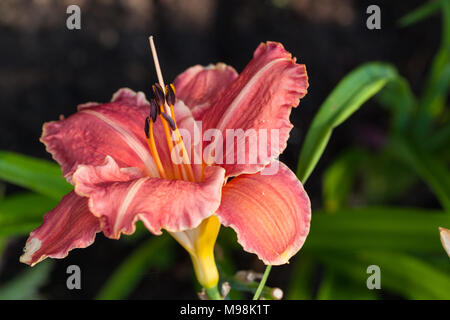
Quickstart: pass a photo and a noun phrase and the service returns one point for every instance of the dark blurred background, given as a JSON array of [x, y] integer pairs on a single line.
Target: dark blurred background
[[46, 70]]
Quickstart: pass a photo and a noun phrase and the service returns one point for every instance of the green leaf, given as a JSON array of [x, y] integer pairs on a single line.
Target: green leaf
[[356, 88], [35, 174], [401, 273], [377, 228], [398, 98], [430, 169], [435, 94], [3, 244], [420, 13], [376, 177], [21, 213], [155, 252], [337, 287], [440, 139], [445, 43], [339, 177], [326, 285], [27, 284], [433, 99], [301, 281]]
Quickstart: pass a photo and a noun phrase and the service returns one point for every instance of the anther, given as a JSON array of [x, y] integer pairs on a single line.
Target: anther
[[159, 94], [169, 120], [147, 127], [154, 110], [170, 95]]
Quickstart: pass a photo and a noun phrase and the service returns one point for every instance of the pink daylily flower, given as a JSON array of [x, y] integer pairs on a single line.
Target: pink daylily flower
[[103, 151]]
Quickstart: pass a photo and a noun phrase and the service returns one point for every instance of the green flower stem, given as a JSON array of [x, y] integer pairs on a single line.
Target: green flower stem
[[262, 283], [267, 292], [213, 293]]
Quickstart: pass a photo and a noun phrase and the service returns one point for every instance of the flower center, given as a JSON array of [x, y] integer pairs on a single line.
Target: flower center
[[162, 105], [165, 100], [199, 241]]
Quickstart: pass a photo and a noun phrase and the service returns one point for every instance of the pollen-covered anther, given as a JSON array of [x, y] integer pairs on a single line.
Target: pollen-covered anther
[[170, 95], [154, 110], [165, 99], [147, 127], [159, 94], [168, 124], [169, 120]]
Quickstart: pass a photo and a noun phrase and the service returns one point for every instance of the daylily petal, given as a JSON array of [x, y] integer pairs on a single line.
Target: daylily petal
[[192, 136], [130, 97], [70, 225], [261, 98], [120, 197], [198, 86], [115, 129], [270, 213]]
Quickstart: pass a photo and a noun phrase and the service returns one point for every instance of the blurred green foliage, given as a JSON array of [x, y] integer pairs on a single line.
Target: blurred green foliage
[[345, 237], [38, 175], [127, 276], [26, 285], [345, 99], [403, 242]]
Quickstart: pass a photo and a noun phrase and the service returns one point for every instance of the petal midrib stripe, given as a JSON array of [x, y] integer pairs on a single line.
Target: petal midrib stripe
[[131, 140], [127, 200], [236, 101]]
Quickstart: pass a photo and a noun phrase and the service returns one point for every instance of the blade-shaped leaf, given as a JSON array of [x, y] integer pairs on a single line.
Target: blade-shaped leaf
[[3, 244], [420, 13], [376, 180], [398, 98], [339, 177], [345, 99], [301, 283], [432, 103], [438, 80], [445, 42], [440, 139], [35, 174], [154, 252], [401, 229], [21, 213], [401, 273], [26, 284], [430, 169], [336, 287]]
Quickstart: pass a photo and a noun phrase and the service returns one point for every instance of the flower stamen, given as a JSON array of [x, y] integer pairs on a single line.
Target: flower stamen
[[184, 171], [152, 146], [170, 98], [169, 120], [159, 99]]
